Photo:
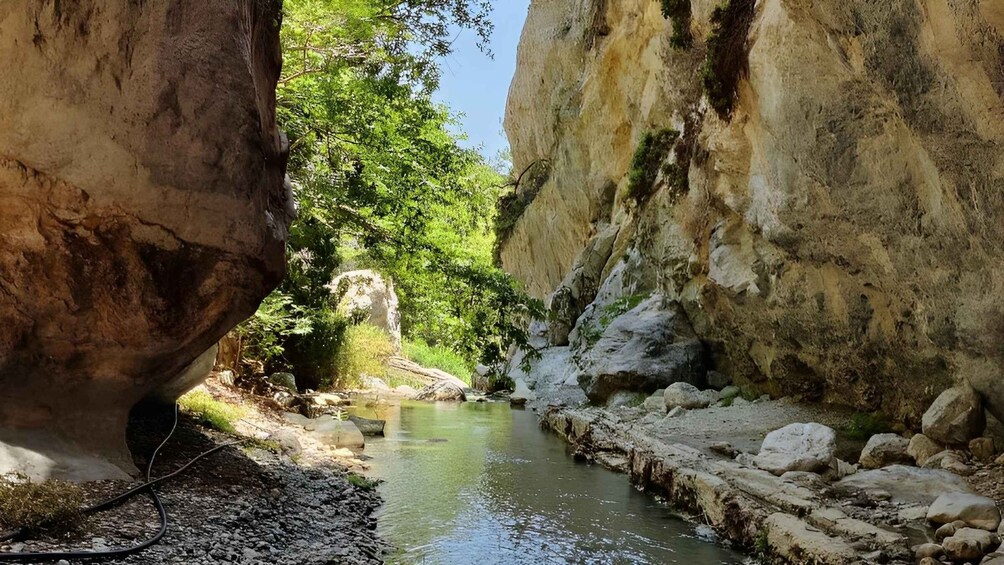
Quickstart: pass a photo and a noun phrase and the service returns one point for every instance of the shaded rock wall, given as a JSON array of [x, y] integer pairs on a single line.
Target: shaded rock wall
[[143, 202], [838, 237]]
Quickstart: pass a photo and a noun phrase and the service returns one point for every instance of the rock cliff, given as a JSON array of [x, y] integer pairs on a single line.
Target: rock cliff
[[143, 206], [819, 185]]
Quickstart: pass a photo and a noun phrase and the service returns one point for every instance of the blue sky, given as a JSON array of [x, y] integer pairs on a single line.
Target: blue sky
[[476, 86]]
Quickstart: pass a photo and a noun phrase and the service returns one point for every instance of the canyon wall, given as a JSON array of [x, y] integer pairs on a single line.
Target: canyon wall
[[143, 208], [819, 187]]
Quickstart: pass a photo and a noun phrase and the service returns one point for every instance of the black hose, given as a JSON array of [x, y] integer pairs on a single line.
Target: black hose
[[110, 503]]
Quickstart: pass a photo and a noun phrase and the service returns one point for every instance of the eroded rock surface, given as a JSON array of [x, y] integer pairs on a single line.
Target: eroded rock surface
[[143, 209], [837, 235]]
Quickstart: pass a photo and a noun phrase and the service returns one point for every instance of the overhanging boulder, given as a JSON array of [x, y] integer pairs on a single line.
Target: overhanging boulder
[[143, 203]]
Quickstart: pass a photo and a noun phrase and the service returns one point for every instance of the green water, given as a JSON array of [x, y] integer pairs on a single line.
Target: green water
[[482, 484]]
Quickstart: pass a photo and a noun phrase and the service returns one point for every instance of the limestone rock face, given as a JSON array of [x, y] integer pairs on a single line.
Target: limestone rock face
[[369, 297], [976, 511], [839, 235], [644, 349], [143, 202]]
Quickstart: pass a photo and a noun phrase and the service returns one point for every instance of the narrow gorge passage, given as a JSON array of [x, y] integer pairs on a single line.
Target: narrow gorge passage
[[502, 281]]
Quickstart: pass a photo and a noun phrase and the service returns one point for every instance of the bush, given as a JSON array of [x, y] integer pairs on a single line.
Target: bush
[[364, 351], [313, 357], [651, 151], [727, 59], [31, 505], [210, 412], [438, 357], [512, 206], [678, 11]]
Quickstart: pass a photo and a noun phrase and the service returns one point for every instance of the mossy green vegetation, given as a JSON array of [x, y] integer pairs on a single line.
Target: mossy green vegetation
[[210, 412], [28, 504], [679, 13], [861, 425], [652, 150], [365, 351], [727, 58], [619, 307], [361, 482], [512, 205]]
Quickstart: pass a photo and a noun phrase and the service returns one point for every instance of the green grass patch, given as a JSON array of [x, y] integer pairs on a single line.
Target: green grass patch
[[365, 351], [362, 482], [861, 425], [34, 505], [210, 412], [438, 357], [263, 444], [397, 377]]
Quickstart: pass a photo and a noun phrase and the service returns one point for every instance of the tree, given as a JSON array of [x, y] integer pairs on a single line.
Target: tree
[[381, 182]]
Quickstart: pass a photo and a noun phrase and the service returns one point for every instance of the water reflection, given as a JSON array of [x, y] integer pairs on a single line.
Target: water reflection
[[499, 490]]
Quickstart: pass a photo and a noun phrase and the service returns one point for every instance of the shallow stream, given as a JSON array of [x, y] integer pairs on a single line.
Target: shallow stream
[[481, 484]]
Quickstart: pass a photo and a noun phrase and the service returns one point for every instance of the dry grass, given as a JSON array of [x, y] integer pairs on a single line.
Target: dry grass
[[32, 505]]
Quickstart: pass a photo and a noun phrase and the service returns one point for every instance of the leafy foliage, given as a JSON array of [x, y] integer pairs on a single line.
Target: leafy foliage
[[621, 306], [512, 205], [365, 352], [32, 505], [727, 58], [679, 13], [381, 182], [650, 154]]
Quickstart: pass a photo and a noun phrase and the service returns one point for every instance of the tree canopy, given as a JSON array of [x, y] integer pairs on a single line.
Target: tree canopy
[[382, 182]]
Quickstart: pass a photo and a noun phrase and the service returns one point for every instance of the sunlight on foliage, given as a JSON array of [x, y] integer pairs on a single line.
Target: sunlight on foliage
[[210, 412], [438, 357], [365, 351]]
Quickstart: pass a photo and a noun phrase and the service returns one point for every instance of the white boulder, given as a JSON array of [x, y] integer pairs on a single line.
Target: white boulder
[[364, 296], [955, 417], [976, 511], [798, 447], [686, 395], [885, 449]]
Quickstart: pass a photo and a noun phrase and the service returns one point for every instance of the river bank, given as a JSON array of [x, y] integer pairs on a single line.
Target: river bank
[[268, 501], [702, 461]]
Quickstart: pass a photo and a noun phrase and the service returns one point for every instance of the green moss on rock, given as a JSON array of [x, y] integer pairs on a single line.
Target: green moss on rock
[[648, 158]]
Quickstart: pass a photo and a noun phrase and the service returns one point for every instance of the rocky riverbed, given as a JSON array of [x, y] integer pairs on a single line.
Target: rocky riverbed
[[784, 480], [251, 504]]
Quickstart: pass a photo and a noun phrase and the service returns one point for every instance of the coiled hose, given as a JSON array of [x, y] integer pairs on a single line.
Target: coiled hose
[[111, 503]]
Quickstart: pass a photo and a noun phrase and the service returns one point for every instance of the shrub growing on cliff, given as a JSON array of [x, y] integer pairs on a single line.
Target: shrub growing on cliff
[[645, 164], [28, 504], [512, 205], [727, 59], [678, 12]]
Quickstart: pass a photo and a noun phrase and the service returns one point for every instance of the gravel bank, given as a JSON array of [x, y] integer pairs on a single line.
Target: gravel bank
[[240, 505]]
